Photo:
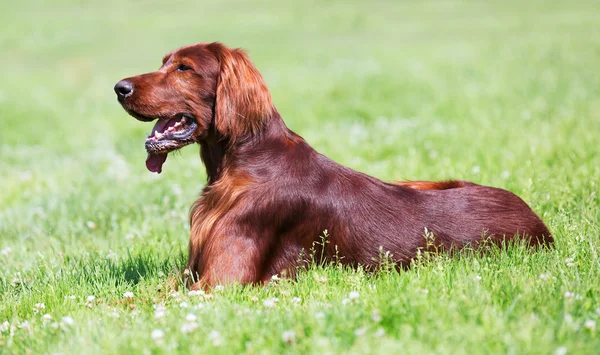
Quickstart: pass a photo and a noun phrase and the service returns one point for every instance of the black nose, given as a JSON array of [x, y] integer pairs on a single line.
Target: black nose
[[123, 89]]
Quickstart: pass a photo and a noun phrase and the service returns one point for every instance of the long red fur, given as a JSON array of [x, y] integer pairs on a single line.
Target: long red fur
[[270, 195]]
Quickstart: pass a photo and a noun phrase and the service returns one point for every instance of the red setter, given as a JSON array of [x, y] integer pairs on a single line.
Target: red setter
[[270, 195]]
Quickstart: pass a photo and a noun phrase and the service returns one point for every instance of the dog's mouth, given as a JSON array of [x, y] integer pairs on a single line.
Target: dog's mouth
[[168, 134]]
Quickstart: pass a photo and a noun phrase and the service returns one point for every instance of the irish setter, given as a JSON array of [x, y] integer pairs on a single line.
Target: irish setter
[[270, 196]]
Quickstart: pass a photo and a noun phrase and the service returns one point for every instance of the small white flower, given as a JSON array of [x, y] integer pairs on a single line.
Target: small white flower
[[72, 297], [544, 276], [360, 331], [191, 317], [275, 278], [25, 325], [40, 306], [425, 291], [219, 288], [4, 326], [159, 314], [113, 314], [477, 278], [6, 251], [561, 350], [598, 310], [193, 293], [189, 327], [68, 320], [380, 332], [505, 174], [569, 295], [128, 294], [183, 305], [296, 300], [476, 169], [269, 302], [157, 334], [199, 306], [353, 295], [91, 225], [345, 301], [289, 337], [215, 337], [91, 298], [590, 324], [111, 254], [54, 325], [569, 262], [46, 317], [375, 316]]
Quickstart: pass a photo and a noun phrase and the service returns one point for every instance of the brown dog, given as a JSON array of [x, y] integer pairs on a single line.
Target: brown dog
[[270, 196]]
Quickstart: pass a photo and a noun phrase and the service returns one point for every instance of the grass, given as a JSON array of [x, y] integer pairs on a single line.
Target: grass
[[500, 93]]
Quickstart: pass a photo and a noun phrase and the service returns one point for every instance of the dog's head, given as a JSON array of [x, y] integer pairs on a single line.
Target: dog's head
[[199, 90]]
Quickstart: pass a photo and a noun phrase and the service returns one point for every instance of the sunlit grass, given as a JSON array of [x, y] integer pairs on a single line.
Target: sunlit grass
[[500, 93]]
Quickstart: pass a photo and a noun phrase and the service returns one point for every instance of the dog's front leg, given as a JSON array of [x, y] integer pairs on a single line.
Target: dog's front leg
[[228, 260]]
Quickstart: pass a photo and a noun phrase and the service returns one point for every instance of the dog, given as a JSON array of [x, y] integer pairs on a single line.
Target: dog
[[270, 195]]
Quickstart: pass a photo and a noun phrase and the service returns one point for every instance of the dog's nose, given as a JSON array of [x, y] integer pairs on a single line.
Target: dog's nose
[[123, 89]]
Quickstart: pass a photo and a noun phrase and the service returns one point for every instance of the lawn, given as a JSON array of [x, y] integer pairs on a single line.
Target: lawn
[[502, 93]]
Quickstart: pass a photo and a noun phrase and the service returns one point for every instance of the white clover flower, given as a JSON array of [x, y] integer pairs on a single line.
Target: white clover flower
[[270, 302], [68, 320], [91, 298], [360, 331], [345, 301], [215, 336], [189, 327], [569, 295], [193, 293], [275, 278], [159, 314], [6, 251], [46, 317], [72, 297], [157, 335], [590, 324], [128, 294], [4, 326], [219, 288], [380, 332], [91, 225], [25, 325], [183, 305], [113, 314], [353, 295], [569, 262], [296, 300], [199, 306], [477, 278], [191, 317], [289, 337], [544, 277], [40, 306], [375, 316], [561, 350]]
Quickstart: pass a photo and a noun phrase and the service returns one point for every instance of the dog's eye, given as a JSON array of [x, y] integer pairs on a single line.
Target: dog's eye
[[183, 67]]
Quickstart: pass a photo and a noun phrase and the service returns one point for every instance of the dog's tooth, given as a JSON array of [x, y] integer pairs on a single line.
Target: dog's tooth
[[170, 129], [177, 124]]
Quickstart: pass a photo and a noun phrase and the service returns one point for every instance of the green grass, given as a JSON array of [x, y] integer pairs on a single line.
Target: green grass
[[500, 93]]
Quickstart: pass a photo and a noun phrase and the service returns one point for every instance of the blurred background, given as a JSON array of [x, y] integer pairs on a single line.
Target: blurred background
[[501, 93]]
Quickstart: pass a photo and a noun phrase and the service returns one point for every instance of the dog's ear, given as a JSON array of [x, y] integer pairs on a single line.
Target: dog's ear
[[243, 102]]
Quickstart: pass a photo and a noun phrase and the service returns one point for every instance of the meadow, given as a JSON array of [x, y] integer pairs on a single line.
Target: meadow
[[502, 93]]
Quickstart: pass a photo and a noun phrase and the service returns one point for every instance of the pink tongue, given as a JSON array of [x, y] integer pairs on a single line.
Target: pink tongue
[[154, 162]]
